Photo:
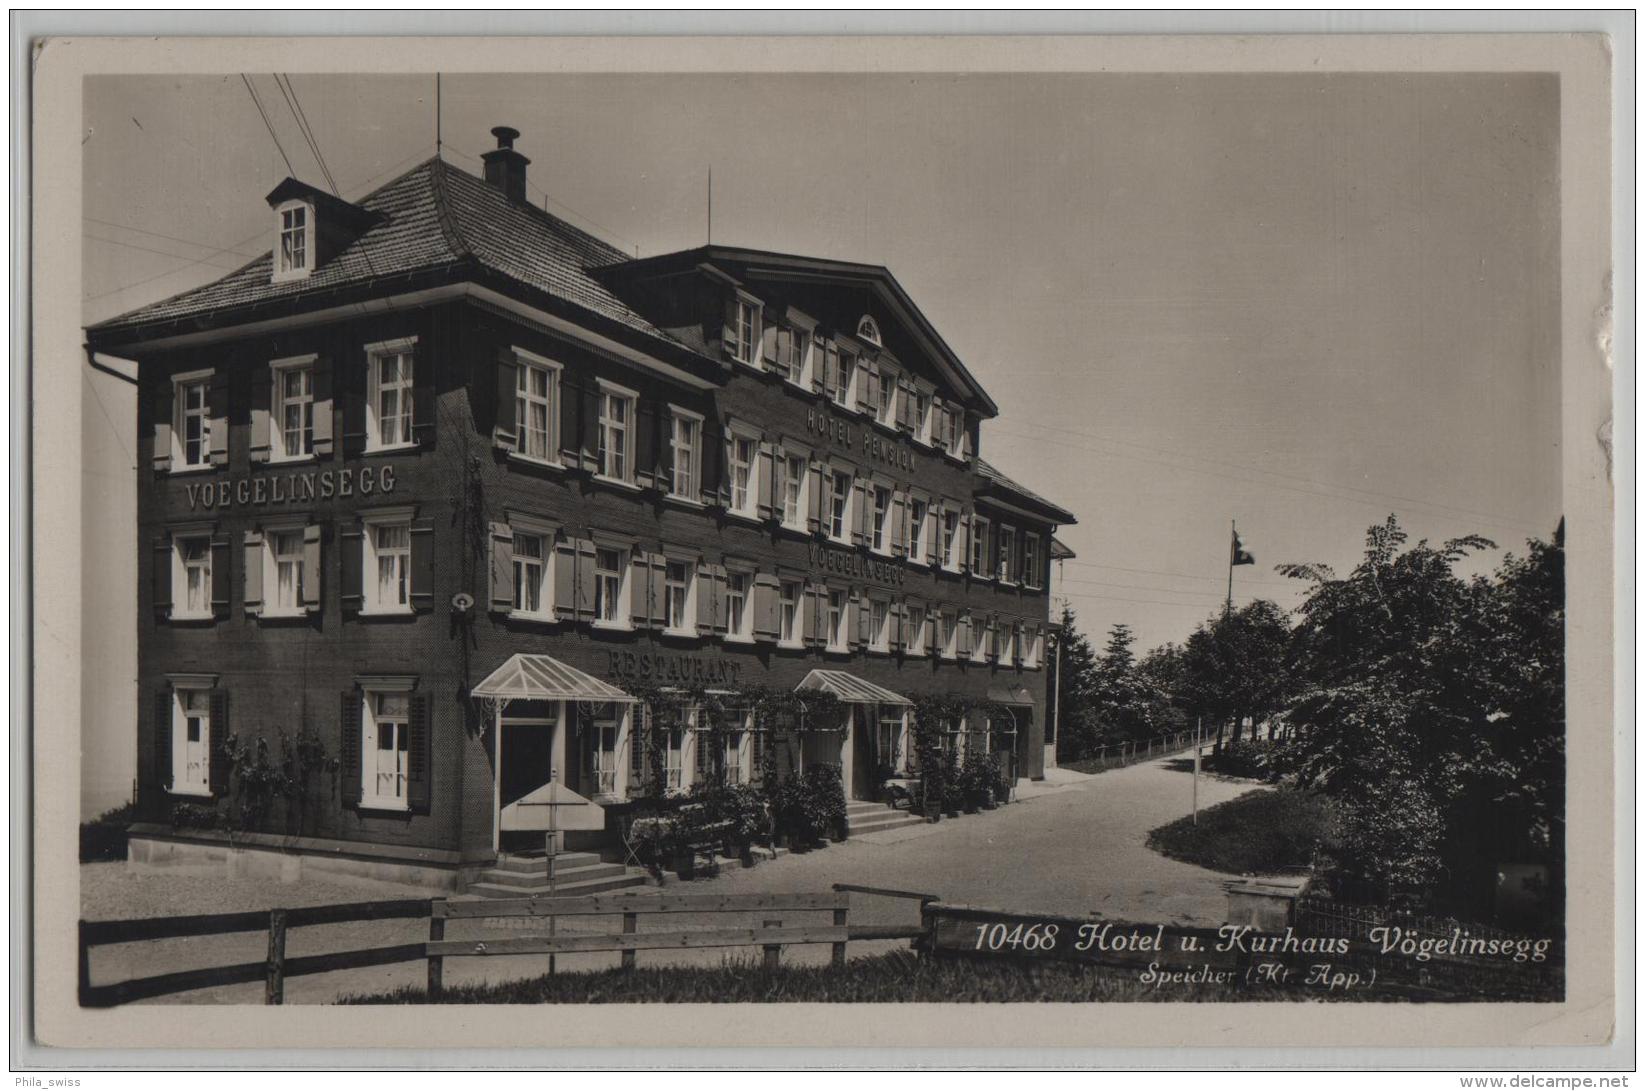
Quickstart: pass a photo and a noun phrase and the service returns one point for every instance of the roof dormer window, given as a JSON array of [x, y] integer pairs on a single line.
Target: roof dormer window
[[294, 252]]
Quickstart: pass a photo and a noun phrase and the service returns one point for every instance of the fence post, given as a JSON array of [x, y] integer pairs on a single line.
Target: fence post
[[85, 966], [436, 931], [773, 951], [631, 924], [274, 984], [839, 948]]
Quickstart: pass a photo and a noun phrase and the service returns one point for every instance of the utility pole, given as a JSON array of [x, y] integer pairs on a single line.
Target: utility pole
[[1233, 547], [1197, 744]]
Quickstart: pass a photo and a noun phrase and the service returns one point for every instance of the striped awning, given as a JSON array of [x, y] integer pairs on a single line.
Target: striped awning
[[544, 678], [851, 689]]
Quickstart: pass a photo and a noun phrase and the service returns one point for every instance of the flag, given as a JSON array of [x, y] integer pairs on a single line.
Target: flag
[[1238, 554]]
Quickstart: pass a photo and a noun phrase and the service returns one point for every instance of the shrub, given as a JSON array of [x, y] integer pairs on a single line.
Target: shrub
[[104, 837], [826, 796], [196, 816], [1260, 832], [1246, 758]]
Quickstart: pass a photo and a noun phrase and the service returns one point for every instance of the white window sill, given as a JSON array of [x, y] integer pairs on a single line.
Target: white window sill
[[879, 651], [613, 626], [287, 460], [744, 516], [846, 542], [198, 792], [681, 634], [879, 552], [535, 618], [532, 460], [911, 654], [395, 806], [386, 611], [684, 501], [735, 638], [833, 650], [198, 468], [797, 531], [791, 645], [617, 482], [179, 616], [283, 614], [390, 448]]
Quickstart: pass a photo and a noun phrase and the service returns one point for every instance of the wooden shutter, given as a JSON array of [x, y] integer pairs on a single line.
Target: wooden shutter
[[645, 444], [348, 745], [905, 406], [962, 542], [160, 577], [565, 579], [217, 760], [262, 390], [766, 617], [253, 572], [502, 567], [765, 467], [505, 430], [656, 573], [712, 441], [728, 328], [856, 622], [585, 580], [165, 396], [420, 753], [726, 463], [571, 405], [962, 646], [722, 613], [219, 578], [814, 506], [705, 599], [899, 524], [858, 515], [351, 550], [351, 387], [162, 738], [311, 568], [785, 351], [422, 564], [813, 614], [323, 406], [899, 623], [589, 426], [218, 410], [639, 590], [665, 450], [768, 343], [423, 399]]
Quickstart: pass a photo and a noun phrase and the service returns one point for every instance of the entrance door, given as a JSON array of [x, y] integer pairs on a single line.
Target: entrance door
[[864, 781], [528, 757]]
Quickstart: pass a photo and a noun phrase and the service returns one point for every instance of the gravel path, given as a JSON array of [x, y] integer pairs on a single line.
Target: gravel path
[[1077, 849]]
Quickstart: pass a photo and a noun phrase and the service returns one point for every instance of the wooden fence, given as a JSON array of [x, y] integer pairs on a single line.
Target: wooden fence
[[771, 935]]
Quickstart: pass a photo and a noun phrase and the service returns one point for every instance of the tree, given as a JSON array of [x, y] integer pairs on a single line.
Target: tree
[[1238, 665], [1076, 678]]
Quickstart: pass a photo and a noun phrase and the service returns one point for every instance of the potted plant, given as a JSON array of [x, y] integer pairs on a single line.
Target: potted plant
[[989, 787], [953, 793]]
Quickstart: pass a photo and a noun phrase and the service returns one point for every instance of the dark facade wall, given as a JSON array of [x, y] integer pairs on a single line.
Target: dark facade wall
[[288, 674]]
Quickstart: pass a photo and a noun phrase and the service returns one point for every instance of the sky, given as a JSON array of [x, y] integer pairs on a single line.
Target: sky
[[1298, 301]]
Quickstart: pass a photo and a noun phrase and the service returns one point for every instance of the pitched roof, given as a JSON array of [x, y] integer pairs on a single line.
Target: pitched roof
[[433, 216], [992, 476]]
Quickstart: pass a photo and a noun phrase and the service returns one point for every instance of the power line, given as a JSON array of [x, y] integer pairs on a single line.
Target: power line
[[152, 250], [252, 91], [1180, 575], [158, 235], [301, 117]]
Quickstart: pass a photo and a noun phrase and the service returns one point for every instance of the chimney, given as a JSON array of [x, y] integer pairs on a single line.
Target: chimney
[[505, 167]]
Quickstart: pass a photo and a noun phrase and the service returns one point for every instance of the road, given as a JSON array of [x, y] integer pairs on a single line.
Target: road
[[1075, 846]]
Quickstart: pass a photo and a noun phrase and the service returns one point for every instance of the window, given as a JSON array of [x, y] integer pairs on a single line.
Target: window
[[915, 641], [788, 612], [677, 615], [1006, 547], [839, 506], [885, 410], [744, 451], [293, 409], [950, 539], [738, 617], [792, 492], [956, 431], [194, 560], [191, 742], [193, 423], [798, 341], [870, 381], [979, 547], [745, 332], [1033, 650], [283, 593], [917, 512], [686, 443], [948, 634], [922, 416], [608, 586], [848, 379], [733, 743], [834, 383], [616, 416], [602, 756], [1031, 561], [294, 247], [673, 763], [385, 750], [838, 615], [388, 554], [530, 553], [388, 417], [879, 625], [1013, 650], [982, 638], [882, 519], [888, 737], [536, 410]]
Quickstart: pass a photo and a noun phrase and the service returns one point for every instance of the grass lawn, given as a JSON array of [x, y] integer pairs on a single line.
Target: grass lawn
[[1262, 831]]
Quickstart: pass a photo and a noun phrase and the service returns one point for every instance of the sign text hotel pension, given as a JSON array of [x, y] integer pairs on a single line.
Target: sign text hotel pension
[[288, 487]]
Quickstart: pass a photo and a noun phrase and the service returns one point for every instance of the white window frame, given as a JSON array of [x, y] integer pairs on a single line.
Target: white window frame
[[915, 644], [749, 315], [691, 464], [879, 520], [950, 550], [949, 647], [955, 447], [545, 571], [839, 639], [735, 437], [802, 334], [525, 364], [179, 577], [405, 386], [890, 387], [278, 370], [979, 541], [837, 392], [1005, 544], [924, 399], [685, 623], [271, 571], [1031, 553], [843, 534], [919, 539], [740, 633], [371, 726], [982, 635], [624, 572], [180, 385], [879, 629], [785, 457], [610, 394], [181, 784], [791, 636], [370, 603], [284, 269]]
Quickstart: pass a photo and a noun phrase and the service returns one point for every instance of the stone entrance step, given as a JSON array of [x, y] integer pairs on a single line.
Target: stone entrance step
[[519, 875]]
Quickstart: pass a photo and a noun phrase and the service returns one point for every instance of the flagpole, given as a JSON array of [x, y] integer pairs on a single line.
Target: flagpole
[[1233, 536]]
